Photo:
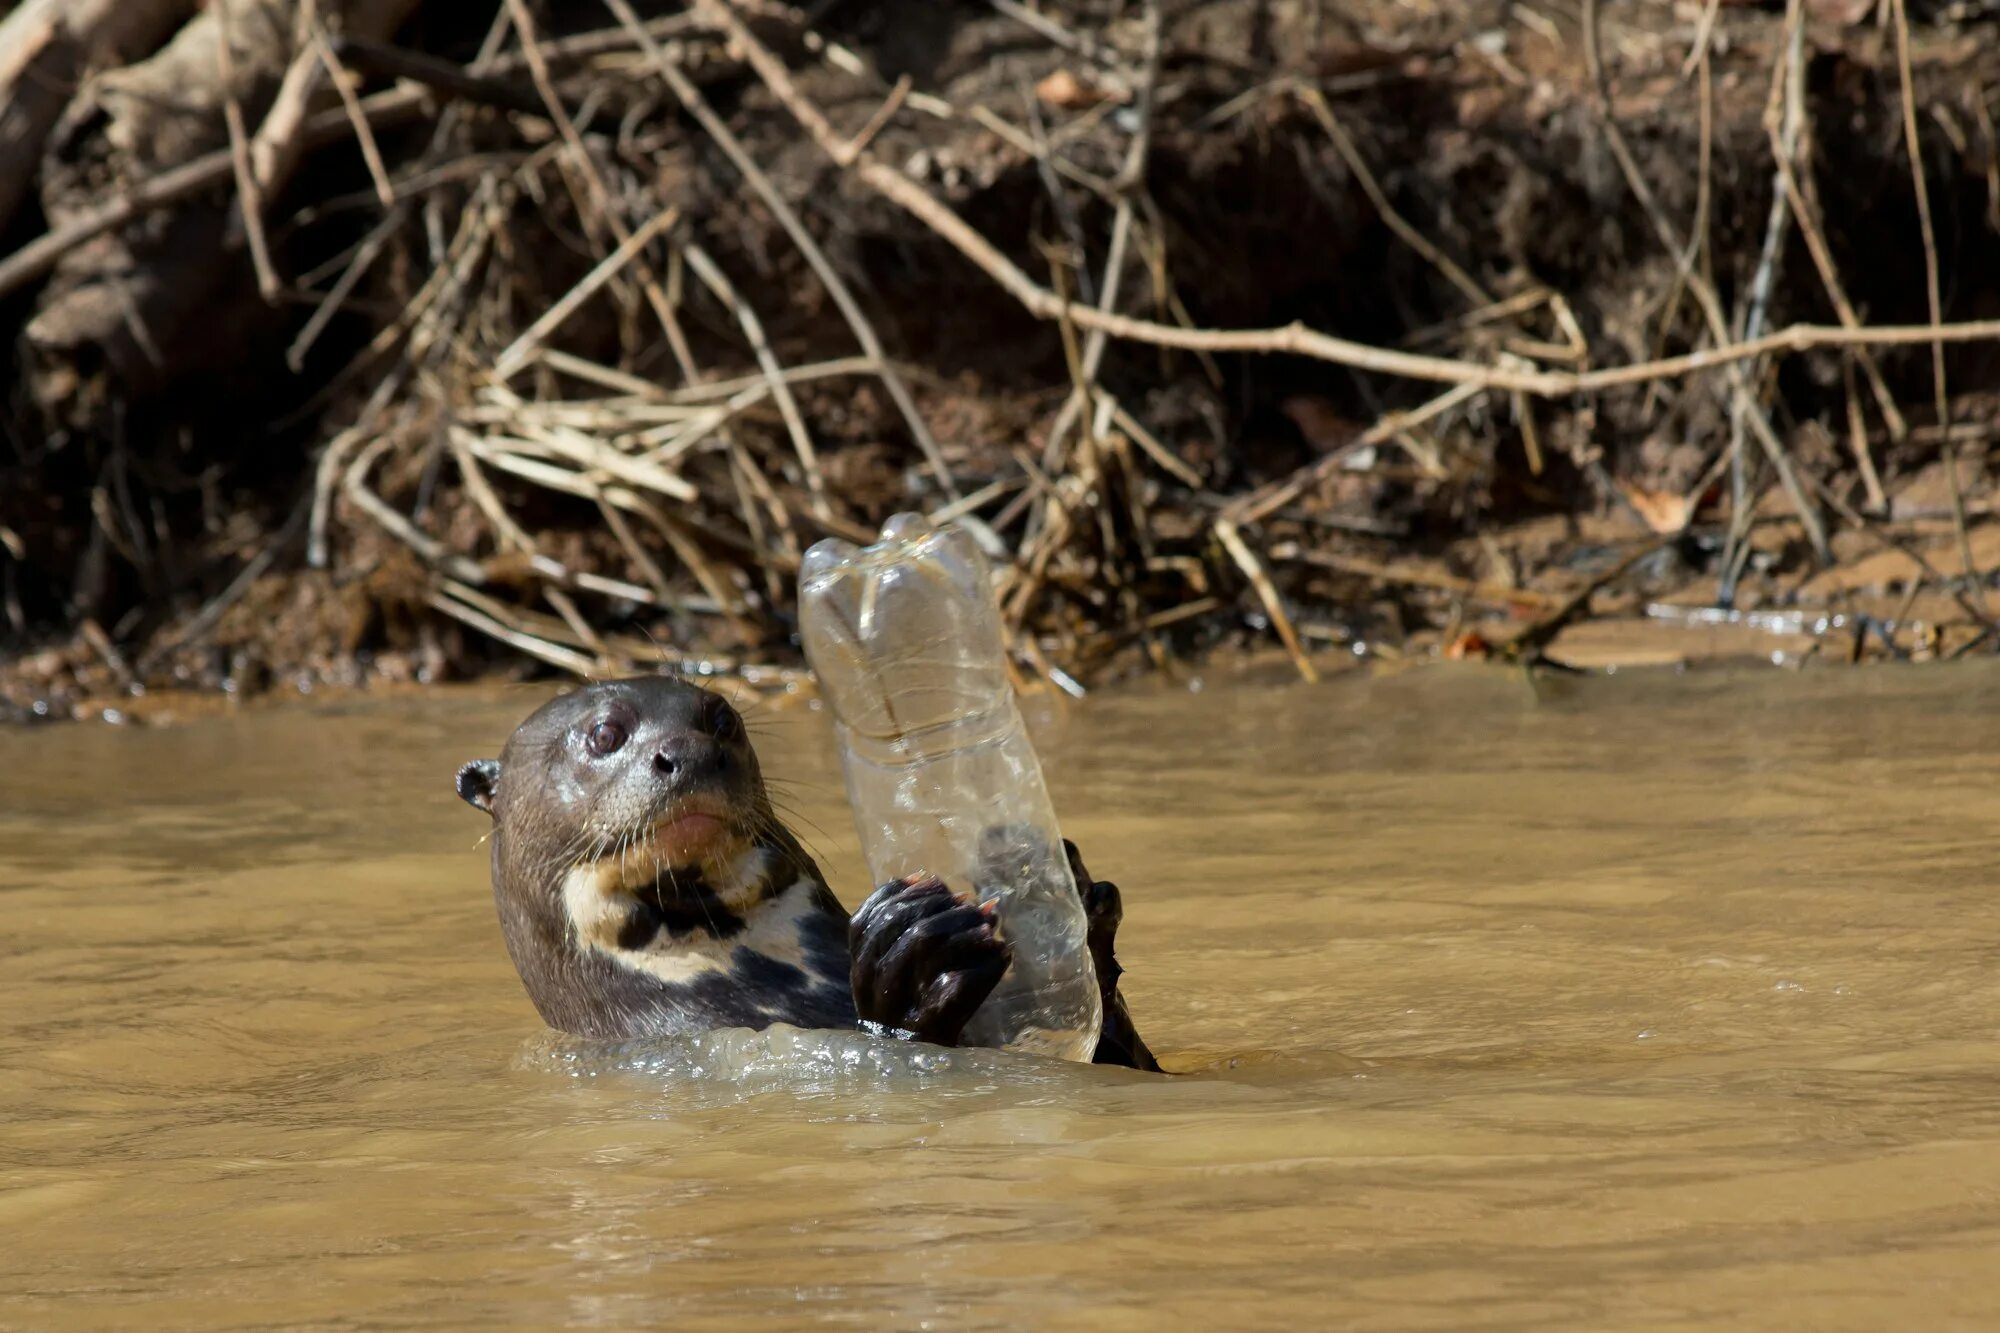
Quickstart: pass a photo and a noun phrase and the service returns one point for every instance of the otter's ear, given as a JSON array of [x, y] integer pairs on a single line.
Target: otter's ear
[[476, 782]]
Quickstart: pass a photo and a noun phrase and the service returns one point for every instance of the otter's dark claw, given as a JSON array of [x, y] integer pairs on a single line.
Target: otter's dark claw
[[890, 911], [1118, 1042], [924, 959]]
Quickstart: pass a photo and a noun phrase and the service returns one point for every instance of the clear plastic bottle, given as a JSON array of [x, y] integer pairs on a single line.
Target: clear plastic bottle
[[905, 638]]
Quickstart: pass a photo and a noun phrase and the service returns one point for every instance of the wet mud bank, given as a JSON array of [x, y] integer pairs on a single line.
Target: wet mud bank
[[432, 341]]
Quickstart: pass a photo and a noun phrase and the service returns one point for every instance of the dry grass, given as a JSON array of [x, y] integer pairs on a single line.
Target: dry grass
[[571, 496]]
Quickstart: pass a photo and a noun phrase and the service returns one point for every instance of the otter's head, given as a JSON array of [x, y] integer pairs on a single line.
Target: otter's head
[[630, 823]]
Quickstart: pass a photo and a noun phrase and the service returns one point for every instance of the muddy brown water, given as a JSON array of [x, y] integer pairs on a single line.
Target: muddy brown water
[[1653, 1001]]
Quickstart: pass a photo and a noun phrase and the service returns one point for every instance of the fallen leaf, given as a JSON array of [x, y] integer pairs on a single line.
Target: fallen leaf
[[1065, 90], [1323, 426], [1471, 644], [1665, 512]]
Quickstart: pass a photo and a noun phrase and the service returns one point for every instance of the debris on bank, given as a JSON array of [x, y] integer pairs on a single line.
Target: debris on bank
[[395, 340]]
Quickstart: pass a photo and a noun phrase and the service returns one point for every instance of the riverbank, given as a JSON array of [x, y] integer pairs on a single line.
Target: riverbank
[[1385, 336]]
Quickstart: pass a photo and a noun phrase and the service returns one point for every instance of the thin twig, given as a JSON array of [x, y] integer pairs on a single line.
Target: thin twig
[[724, 291], [1075, 42], [328, 471], [1267, 593], [1528, 646], [697, 106], [429, 548], [1296, 339], [1421, 578], [1395, 221], [883, 115], [1914, 142], [510, 361], [205, 619], [1889, 542], [395, 62], [1130, 182], [1257, 504], [1784, 130], [343, 84], [247, 189], [1151, 446], [573, 662], [371, 248], [40, 255], [1857, 438], [1805, 207], [1705, 296]]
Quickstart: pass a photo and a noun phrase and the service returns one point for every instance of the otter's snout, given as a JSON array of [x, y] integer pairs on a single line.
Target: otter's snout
[[603, 765], [690, 762]]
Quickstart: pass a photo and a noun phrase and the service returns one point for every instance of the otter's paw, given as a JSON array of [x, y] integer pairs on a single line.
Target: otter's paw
[[1118, 1042], [924, 958], [1104, 910]]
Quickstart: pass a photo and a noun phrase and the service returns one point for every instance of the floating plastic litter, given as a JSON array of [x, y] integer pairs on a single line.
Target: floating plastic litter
[[905, 638]]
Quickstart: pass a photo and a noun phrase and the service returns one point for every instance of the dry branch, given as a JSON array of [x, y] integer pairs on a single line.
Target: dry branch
[[614, 351], [46, 48], [1294, 339]]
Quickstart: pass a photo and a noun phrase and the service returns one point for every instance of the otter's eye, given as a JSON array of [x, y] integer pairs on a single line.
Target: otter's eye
[[725, 725], [607, 737]]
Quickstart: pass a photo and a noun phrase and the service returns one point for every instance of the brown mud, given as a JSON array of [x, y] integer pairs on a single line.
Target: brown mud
[[634, 326]]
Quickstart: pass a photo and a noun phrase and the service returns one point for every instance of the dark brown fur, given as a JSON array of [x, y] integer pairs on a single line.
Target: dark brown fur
[[622, 924]]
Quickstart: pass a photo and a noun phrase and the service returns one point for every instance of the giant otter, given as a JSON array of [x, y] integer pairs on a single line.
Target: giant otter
[[645, 887]]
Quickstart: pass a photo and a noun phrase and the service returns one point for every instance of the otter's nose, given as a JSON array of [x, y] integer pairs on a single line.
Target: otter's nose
[[689, 761]]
